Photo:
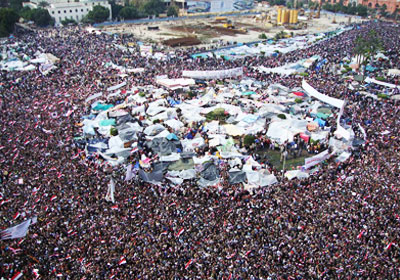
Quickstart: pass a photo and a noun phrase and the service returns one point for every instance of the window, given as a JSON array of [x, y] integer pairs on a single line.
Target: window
[[76, 10], [82, 10], [65, 11], [52, 12], [77, 18], [59, 12], [70, 11]]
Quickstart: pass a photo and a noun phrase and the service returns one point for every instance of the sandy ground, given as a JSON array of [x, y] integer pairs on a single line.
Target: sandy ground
[[203, 28]]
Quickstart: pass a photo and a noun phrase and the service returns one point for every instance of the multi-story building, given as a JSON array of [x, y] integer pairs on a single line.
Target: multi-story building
[[391, 5], [69, 9]]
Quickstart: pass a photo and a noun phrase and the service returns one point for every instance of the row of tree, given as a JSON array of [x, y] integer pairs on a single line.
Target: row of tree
[[41, 17], [140, 9], [351, 9]]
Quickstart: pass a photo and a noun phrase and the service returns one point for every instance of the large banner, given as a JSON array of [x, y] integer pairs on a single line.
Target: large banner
[[324, 98], [314, 160], [217, 74], [369, 80]]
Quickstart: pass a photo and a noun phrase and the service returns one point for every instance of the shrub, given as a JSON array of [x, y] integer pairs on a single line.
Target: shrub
[[156, 121], [262, 36], [380, 78], [217, 114], [282, 116], [142, 94], [344, 71], [248, 140], [304, 74], [382, 95], [298, 100], [113, 131]]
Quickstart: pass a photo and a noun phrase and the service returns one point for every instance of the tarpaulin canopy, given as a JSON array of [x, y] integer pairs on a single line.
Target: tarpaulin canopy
[[107, 122], [249, 93], [236, 177], [172, 136], [162, 146], [102, 107], [298, 93], [154, 177], [210, 171]]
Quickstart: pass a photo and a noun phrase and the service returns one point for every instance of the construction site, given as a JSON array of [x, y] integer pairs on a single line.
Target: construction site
[[263, 23]]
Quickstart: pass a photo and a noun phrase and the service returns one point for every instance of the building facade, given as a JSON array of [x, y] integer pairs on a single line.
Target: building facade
[[391, 5], [69, 9]]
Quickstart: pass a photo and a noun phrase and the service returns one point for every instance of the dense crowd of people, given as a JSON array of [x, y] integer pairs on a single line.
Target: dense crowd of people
[[341, 222]]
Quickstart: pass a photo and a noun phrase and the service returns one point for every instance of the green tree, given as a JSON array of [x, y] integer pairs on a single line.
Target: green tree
[[8, 18], [43, 4], [365, 47], [362, 11], [16, 5], [68, 21], [383, 11], [98, 14], [128, 12], [115, 8], [172, 11], [26, 13], [152, 7], [41, 17]]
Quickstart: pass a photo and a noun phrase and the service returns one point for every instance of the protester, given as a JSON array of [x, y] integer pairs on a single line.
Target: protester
[[341, 222]]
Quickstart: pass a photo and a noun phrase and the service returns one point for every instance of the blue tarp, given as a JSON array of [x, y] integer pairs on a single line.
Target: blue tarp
[[172, 136], [320, 122], [102, 107], [107, 122]]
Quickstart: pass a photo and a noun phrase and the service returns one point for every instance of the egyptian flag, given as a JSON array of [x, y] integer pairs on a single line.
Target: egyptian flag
[[122, 260], [17, 275], [188, 263], [180, 232]]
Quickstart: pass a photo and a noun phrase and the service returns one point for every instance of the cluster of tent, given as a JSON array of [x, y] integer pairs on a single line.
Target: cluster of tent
[[14, 58], [270, 47], [112, 131]]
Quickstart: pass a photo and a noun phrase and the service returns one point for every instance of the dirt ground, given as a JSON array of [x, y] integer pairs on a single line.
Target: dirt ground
[[210, 31]]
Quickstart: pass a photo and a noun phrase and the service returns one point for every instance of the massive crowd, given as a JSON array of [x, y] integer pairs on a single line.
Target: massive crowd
[[341, 222]]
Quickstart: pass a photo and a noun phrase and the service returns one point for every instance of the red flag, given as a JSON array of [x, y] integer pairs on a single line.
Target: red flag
[[180, 232], [361, 234], [389, 245], [188, 263], [122, 260], [16, 216], [16, 276]]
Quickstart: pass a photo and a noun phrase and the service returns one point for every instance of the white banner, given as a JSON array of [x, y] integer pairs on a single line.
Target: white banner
[[369, 80], [217, 74], [324, 98], [314, 160], [94, 96], [110, 191], [18, 231], [116, 86]]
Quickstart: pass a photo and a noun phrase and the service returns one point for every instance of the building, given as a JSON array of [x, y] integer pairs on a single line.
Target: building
[[69, 9], [391, 5]]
